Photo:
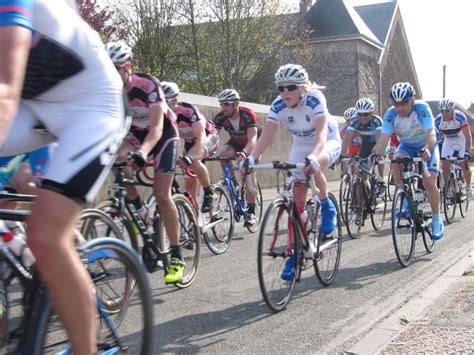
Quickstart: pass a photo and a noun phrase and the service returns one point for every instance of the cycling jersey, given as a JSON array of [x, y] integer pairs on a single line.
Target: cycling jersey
[[367, 133], [410, 130], [354, 145], [238, 134], [300, 122], [188, 117], [452, 129], [144, 91], [77, 96]]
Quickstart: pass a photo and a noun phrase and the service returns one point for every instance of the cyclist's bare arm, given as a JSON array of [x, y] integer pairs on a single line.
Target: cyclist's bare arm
[[251, 139], [197, 151], [157, 121], [15, 43], [265, 139]]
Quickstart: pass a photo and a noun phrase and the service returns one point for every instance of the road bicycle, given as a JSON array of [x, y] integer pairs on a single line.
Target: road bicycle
[[283, 234], [121, 290], [346, 180], [238, 191], [154, 245], [408, 224], [454, 191], [366, 196]]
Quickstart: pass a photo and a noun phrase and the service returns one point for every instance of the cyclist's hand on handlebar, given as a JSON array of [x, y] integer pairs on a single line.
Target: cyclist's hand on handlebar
[[467, 155], [425, 154], [185, 161], [137, 159], [312, 164], [246, 166], [374, 157]]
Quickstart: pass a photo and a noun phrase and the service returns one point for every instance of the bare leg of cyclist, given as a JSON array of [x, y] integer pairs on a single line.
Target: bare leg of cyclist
[[432, 191], [69, 286], [162, 191]]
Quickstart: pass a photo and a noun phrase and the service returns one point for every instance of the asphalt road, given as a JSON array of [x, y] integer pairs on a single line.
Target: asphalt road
[[223, 311]]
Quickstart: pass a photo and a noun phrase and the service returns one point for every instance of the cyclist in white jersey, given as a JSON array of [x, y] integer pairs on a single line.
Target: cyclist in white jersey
[[302, 107], [58, 84], [413, 122], [454, 128]]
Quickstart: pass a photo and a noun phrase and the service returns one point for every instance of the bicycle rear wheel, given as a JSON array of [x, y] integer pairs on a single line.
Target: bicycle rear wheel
[[449, 199], [353, 212], [273, 251], [344, 193], [258, 210], [113, 263], [4, 321], [327, 263], [463, 200], [219, 223], [390, 185], [403, 229]]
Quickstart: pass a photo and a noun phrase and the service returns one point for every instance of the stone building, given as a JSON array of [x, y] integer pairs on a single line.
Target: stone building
[[356, 51]]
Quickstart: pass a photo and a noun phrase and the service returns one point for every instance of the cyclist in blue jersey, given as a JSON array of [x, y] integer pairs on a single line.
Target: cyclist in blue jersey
[[55, 74], [453, 126], [413, 122]]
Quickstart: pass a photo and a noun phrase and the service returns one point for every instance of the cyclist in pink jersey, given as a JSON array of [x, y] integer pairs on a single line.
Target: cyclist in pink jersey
[[153, 133], [201, 141]]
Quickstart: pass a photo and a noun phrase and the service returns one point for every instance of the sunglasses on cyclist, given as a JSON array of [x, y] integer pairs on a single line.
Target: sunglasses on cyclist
[[401, 103], [445, 111], [287, 88], [226, 103], [364, 114]]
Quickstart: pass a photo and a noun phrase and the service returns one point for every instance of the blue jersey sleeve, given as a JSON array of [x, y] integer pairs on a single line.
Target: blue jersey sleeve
[[16, 12], [424, 114], [388, 121]]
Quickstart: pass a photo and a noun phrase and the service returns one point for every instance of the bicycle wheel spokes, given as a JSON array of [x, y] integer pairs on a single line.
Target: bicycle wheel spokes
[[272, 255], [403, 229], [219, 223], [379, 210], [112, 266], [463, 200], [353, 212], [190, 239], [327, 263], [449, 199]]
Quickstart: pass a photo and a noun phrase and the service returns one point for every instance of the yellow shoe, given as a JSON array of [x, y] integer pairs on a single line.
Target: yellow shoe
[[175, 271]]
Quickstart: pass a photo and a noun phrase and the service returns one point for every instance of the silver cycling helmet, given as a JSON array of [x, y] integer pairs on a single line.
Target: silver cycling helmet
[[446, 105], [228, 95], [119, 52], [292, 72], [170, 89], [350, 113], [364, 105], [402, 92]]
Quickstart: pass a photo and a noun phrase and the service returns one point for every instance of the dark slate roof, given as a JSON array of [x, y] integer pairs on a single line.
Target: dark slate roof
[[334, 18], [378, 17]]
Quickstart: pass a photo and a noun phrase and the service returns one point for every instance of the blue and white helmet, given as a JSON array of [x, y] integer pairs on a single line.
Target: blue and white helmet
[[446, 104], [119, 52], [171, 90], [350, 113], [228, 95], [402, 92], [292, 72], [364, 105]]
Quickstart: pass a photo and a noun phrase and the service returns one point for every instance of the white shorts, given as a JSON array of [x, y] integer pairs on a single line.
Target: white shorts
[[300, 151], [453, 148], [87, 135]]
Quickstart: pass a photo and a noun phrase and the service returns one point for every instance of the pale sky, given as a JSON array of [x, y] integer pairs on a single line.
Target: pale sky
[[440, 32]]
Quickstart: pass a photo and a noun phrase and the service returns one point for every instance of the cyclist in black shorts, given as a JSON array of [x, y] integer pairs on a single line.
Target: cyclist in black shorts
[[201, 141], [242, 125], [153, 133]]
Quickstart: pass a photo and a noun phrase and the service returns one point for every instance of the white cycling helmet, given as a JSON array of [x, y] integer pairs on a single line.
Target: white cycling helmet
[[292, 72], [350, 113], [228, 95], [170, 89], [364, 105], [119, 52], [402, 92], [446, 105]]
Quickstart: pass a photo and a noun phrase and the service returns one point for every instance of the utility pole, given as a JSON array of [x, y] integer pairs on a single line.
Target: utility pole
[[444, 80]]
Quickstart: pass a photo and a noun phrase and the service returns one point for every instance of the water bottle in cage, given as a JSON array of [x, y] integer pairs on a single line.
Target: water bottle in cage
[[419, 198]]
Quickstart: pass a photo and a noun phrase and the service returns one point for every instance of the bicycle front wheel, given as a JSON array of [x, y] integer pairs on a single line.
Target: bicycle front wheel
[[354, 212], [449, 199], [112, 263], [274, 251], [403, 229], [219, 223], [463, 200], [327, 263], [379, 209], [344, 193]]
